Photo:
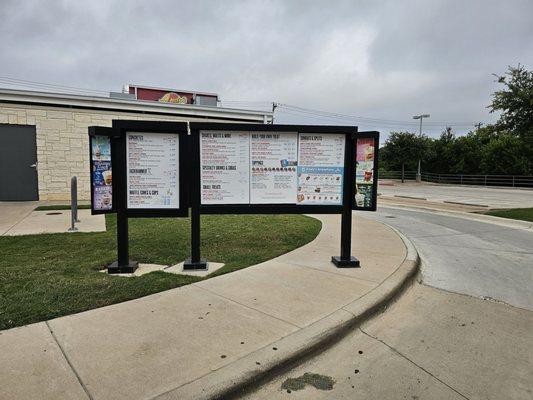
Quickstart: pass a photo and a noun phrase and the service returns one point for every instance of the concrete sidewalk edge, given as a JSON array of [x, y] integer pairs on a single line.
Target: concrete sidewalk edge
[[261, 366]]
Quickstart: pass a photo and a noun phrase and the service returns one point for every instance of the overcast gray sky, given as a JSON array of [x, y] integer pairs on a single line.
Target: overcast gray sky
[[380, 59]]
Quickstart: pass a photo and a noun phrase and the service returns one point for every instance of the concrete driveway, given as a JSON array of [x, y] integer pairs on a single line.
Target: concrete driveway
[[474, 195], [465, 256]]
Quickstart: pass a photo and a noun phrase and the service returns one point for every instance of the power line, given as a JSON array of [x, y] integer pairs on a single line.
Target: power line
[[370, 119], [42, 85], [386, 124]]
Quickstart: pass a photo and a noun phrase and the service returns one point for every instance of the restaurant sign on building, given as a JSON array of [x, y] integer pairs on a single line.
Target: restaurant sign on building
[[175, 96]]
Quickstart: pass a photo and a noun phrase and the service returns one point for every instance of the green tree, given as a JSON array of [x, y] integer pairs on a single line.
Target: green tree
[[504, 154], [515, 102], [401, 150], [503, 148], [440, 153]]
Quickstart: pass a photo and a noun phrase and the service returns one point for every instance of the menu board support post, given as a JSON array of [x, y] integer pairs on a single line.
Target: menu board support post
[[195, 262], [346, 260], [123, 265]]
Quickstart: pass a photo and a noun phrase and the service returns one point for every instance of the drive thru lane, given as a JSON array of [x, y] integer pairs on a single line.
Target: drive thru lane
[[470, 257]]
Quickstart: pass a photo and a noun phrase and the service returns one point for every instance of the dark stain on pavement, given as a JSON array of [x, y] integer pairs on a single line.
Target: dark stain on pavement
[[320, 382]]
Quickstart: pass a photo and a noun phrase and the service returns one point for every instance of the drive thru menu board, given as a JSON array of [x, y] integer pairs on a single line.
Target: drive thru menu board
[[271, 168], [102, 180], [225, 160], [152, 161]]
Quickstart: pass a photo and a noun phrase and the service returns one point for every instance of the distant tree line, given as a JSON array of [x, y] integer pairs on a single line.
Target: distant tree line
[[505, 147]]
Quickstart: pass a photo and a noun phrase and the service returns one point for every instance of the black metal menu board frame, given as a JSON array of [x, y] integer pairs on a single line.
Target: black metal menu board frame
[[123, 128], [197, 128], [138, 130], [345, 208], [230, 168]]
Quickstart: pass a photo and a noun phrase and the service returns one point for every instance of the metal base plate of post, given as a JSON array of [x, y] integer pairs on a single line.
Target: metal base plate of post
[[195, 266], [122, 269], [352, 262]]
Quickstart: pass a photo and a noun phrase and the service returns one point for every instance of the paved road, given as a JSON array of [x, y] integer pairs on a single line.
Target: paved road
[[492, 197], [432, 343], [464, 256]]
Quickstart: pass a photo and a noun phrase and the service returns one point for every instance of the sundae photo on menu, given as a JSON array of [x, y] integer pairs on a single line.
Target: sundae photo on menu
[[101, 148], [320, 169], [225, 167], [102, 179], [152, 170], [364, 172], [273, 159]]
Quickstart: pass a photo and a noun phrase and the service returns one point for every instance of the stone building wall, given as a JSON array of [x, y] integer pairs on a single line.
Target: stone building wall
[[63, 143]]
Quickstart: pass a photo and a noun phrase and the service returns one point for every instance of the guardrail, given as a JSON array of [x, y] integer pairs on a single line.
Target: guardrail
[[464, 179]]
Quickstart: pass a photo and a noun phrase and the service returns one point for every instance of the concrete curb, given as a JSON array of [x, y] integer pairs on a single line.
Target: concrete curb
[[246, 374]]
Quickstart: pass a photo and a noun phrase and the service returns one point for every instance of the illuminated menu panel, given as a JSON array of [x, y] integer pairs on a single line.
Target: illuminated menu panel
[[273, 167], [225, 167], [152, 170], [320, 168]]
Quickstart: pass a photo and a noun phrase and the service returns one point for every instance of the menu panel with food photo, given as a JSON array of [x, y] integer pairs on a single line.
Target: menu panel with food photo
[[225, 167], [102, 179], [320, 169], [364, 172], [273, 158]]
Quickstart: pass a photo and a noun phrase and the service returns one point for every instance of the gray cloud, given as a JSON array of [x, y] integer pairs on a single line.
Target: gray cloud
[[386, 60]]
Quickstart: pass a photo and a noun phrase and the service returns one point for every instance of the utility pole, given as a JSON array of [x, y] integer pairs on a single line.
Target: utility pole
[[478, 125], [420, 117], [274, 106]]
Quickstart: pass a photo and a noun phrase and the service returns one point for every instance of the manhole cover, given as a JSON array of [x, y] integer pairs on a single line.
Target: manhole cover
[[54, 213], [390, 216]]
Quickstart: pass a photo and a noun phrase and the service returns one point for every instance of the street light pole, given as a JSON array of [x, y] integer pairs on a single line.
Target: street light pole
[[420, 117]]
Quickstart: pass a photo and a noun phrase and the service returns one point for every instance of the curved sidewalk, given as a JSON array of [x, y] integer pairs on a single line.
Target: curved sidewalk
[[215, 337]]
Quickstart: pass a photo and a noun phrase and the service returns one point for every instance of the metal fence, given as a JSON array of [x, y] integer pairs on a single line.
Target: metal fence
[[463, 179], [409, 175]]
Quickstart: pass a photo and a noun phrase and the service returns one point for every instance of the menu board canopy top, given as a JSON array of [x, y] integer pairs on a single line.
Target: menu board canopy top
[[102, 131]]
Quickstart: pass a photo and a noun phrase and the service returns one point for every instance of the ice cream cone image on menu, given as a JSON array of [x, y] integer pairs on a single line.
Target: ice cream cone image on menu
[[369, 153]]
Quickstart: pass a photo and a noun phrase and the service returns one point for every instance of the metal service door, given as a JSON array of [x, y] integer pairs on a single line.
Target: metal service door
[[18, 163]]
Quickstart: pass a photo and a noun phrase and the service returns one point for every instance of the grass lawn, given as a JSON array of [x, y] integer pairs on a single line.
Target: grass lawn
[[525, 214], [46, 276]]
